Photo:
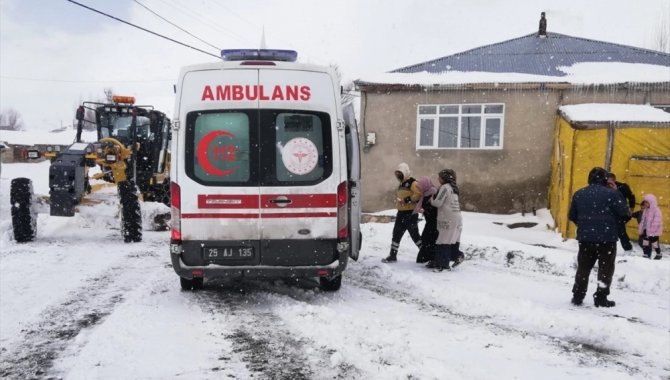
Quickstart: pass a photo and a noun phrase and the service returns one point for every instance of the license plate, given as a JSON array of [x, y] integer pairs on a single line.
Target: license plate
[[229, 253]]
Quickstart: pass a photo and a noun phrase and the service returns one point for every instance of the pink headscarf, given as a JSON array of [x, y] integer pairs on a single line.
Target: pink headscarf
[[427, 189]]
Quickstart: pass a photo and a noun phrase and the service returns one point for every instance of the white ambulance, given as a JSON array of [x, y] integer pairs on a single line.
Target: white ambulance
[[265, 171]]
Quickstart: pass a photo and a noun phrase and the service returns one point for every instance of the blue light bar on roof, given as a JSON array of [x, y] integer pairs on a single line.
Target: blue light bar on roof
[[259, 55]]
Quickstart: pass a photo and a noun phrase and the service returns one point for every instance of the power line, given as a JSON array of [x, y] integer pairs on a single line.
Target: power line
[[175, 25], [203, 20], [84, 81], [141, 28]]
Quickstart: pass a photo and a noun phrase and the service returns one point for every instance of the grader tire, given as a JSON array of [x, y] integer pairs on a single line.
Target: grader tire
[[24, 217], [131, 216]]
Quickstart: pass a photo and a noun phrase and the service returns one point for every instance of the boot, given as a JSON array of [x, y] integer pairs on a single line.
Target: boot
[[459, 259], [393, 254], [390, 259], [657, 257], [577, 301], [600, 300]]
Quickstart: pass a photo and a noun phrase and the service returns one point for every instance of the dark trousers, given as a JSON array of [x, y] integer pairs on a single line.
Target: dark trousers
[[405, 221], [589, 252], [444, 253], [623, 237], [648, 243]]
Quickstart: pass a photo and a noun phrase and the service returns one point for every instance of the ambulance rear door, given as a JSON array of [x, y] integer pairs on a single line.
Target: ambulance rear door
[[300, 168], [354, 180], [220, 176]]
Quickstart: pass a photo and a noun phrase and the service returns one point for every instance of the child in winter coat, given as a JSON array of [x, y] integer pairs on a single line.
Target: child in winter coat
[[650, 227], [449, 221]]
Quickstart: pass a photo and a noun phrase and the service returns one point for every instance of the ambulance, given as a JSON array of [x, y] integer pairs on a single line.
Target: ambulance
[[265, 171]]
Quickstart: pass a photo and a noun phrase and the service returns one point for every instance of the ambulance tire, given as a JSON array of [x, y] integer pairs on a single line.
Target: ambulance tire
[[131, 216], [330, 284], [24, 217], [194, 284]]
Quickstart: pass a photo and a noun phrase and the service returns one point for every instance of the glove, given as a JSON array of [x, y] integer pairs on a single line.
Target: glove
[[408, 200]]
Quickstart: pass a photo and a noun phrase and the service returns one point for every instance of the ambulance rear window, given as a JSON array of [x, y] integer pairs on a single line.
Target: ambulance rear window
[[302, 153], [218, 147], [258, 147]]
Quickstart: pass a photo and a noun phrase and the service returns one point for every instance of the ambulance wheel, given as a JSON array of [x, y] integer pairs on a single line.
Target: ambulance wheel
[[194, 284], [330, 284], [131, 217], [24, 217]]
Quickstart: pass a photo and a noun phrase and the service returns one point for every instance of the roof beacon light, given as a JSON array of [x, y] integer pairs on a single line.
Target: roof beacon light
[[259, 55], [123, 99]]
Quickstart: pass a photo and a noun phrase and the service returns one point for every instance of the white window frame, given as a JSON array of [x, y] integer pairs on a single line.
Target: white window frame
[[460, 115]]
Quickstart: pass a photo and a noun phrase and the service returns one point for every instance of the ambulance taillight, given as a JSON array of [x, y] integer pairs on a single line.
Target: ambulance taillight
[[342, 212], [175, 211]]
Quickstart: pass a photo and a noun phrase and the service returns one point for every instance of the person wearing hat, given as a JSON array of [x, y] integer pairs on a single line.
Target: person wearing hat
[[596, 210], [449, 221], [407, 197]]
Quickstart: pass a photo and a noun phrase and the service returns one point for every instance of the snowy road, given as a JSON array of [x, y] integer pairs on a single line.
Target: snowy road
[[78, 303]]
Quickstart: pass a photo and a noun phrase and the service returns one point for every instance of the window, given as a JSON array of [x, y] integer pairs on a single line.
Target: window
[[460, 126], [258, 148]]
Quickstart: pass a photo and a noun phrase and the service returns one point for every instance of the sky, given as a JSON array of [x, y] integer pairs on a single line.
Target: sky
[[55, 54], [78, 303]]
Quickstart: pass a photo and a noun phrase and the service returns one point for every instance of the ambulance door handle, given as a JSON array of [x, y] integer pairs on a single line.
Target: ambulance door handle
[[281, 201]]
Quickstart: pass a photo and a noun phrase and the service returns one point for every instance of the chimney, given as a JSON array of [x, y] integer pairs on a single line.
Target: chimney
[[543, 26]]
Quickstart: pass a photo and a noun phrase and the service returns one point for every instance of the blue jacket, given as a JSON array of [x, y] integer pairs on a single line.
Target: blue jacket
[[596, 210]]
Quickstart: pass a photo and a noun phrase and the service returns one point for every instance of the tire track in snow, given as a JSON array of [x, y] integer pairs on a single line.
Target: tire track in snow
[[42, 341], [587, 354], [260, 337]]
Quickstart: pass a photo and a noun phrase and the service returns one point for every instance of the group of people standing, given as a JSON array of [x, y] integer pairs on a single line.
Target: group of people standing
[[439, 241], [600, 211]]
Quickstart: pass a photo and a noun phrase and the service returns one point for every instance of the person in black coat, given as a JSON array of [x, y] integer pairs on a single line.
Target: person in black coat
[[429, 233], [597, 211], [628, 195]]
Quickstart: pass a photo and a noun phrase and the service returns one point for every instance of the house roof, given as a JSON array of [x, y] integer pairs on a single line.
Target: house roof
[[29, 138], [532, 54], [614, 113]]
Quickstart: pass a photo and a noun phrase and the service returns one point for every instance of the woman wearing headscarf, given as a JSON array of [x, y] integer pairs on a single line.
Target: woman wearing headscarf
[[449, 221], [429, 233]]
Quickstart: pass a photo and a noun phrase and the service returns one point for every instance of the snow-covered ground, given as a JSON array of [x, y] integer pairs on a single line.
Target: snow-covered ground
[[78, 303]]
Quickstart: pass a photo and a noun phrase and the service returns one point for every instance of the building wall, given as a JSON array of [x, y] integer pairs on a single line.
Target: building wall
[[512, 179]]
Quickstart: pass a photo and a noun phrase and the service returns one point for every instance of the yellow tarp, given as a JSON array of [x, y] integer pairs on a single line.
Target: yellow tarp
[[638, 154]]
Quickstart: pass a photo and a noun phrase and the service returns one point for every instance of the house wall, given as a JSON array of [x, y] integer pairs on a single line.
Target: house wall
[[509, 180]]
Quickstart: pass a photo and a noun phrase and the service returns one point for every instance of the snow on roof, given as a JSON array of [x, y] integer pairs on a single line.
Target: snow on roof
[[605, 112], [585, 73], [29, 138]]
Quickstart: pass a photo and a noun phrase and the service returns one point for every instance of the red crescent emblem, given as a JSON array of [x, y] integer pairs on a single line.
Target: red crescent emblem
[[201, 153]]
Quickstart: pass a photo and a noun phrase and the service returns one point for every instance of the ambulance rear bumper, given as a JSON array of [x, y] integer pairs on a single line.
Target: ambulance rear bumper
[[214, 271]]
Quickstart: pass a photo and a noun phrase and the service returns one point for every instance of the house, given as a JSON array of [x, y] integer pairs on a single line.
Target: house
[[489, 113], [17, 143]]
